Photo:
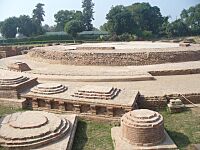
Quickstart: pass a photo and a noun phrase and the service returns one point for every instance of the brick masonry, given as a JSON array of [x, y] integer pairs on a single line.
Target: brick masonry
[[115, 59], [159, 102]]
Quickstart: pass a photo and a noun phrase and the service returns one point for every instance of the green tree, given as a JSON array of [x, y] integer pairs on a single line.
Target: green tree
[[148, 18], [88, 6], [38, 13], [26, 26], [64, 16], [9, 27], [191, 18], [119, 20], [177, 28], [73, 27]]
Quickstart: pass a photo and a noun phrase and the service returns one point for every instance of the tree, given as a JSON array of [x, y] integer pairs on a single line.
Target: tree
[[147, 17], [64, 16], [26, 26], [9, 27], [88, 6], [119, 20], [73, 27], [177, 28], [38, 13], [191, 18]]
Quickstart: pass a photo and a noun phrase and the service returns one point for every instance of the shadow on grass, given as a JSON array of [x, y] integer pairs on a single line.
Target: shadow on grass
[[181, 140], [80, 138]]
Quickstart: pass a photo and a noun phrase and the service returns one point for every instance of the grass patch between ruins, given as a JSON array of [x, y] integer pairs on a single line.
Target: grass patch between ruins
[[8, 110], [93, 135], [184, 127]]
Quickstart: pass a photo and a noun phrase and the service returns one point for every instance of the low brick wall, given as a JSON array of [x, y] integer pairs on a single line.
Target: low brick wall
[[13, 104], [153, 103], [160, 102], [114, 59], [8, 51], [175, 72]]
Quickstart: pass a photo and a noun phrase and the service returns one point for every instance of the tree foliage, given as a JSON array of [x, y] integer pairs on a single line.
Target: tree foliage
[[139, 18], [119, 20], [26, 26], [88, 6], [191, 18], [9, 27], [38, 13], [146, 17], [64, 16], [73, 27]]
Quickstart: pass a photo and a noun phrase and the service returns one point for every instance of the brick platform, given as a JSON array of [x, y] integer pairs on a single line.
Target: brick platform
[[36, 129]]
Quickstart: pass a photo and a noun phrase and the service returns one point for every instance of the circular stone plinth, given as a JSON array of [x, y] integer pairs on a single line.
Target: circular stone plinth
[[32, 129], [143, 127], [11, 79], [49, 88], [29, 120], [49, 85]]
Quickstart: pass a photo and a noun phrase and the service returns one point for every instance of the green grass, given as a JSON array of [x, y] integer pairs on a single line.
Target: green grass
[[8, 110], [183, 128], [92, 136]]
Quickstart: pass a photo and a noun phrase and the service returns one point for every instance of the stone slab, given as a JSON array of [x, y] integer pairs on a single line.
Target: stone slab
[[120, 144], [95, 89], [67, 141]]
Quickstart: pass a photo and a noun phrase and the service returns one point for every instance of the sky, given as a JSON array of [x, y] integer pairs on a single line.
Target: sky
[[10, 8]]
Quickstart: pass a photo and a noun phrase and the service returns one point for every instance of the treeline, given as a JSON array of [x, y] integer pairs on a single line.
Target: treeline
[[28, 26], [135, 22], [141, 20]]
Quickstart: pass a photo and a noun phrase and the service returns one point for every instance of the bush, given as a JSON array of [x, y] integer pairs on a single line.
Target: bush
[[147, 35]]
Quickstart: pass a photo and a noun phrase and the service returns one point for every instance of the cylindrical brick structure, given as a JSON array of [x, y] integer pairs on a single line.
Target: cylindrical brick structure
[[142, 127]]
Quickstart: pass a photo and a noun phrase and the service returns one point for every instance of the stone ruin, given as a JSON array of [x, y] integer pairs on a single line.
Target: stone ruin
[[36, 129], [49, 88], [141, 129], [19, 66], [12, 85], [91, 101], [95, 48], [97, 92], [175, 105]]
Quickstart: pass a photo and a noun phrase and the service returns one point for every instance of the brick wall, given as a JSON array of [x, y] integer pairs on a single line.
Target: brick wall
[[115, 59], [160, 102]]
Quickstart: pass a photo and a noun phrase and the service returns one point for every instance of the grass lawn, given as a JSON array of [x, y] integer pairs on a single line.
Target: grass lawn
[[8, 110], [92, 136], [183, 128]]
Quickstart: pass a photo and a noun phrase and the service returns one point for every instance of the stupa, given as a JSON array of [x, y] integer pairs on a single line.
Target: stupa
[[141, 129]]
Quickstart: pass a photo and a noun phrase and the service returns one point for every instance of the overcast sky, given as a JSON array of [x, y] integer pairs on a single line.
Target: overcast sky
[[9, 8]]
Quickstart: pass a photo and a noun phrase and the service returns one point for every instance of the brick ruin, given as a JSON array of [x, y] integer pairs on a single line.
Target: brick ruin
[[37, 129], [141, 129], [8, 51], [115, 57], [19, 66], [11, 88], [94, 101]]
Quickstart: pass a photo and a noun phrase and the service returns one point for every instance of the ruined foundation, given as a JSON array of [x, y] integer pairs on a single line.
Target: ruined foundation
[[94, 101], [35, 129]]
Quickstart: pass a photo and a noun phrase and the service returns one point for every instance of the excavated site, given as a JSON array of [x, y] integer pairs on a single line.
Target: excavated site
[[116, 81]]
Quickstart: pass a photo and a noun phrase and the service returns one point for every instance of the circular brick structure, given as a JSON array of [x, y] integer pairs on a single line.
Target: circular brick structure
[[122, 54], [49, 88], [143, 127], [7, 79], [32, 129]]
